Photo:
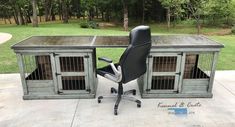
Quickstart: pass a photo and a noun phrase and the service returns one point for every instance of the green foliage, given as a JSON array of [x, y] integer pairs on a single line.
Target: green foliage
[[93, 24], [8, 62], [84, 25], [233, 30], [89, 24]]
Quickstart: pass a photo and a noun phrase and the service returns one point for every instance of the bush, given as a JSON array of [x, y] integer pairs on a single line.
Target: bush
[[233, 30], [90, 24], [84, 25], [93, 24]]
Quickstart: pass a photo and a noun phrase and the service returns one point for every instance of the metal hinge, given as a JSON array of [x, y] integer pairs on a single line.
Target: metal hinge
[[54, 54], [150, 56], [181, 53], [148, 90], [86, 56], [59, 92], [57, 74], [179, 73]]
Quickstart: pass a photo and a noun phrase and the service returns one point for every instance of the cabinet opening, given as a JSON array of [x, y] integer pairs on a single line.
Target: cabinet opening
[[198, 66], [37, 67], [71, 64], [164, 64], [163, 83], [73, 83]]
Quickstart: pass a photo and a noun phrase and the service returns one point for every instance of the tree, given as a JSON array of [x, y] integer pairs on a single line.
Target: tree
[[222, 10], [65, 10], [47, 8], [125, 15], [35, 17], [174, 8], [197, 9]]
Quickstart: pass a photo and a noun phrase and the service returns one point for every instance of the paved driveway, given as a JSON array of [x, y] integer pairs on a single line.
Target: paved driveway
[[218, 111]]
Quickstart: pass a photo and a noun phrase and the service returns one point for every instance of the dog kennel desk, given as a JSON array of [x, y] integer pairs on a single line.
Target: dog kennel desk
[[65, 66]]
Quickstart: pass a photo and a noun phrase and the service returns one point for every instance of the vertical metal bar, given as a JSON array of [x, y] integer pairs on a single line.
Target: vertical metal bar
[[82, 65], [162, 66], [72, 70], [62, 70], [69, 70], [76, 83], [24, 66], [33, 66], [27, 69], [200, 64], [45, 67], [37, 70], [77, 67], [165, 63]]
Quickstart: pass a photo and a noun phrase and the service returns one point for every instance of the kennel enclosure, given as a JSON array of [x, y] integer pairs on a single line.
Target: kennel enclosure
[[180, 66], [53, 67], [57, 67]]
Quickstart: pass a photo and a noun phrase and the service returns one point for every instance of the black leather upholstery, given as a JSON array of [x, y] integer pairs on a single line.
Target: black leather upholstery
[[106, 70], [133, 60]]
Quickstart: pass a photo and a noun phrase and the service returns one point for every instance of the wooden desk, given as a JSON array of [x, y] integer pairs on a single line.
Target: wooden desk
[[65, 66]]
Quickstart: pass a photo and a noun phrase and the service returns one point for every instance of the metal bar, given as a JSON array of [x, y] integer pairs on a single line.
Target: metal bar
[[45, 77]]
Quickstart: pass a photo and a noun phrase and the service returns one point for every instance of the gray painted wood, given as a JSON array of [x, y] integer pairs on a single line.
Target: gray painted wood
[[71, 42], [56, 96], [39, 83], [213, 69], [182, 66], [162, 45], [178, 95], [195, 85], [53, 68]]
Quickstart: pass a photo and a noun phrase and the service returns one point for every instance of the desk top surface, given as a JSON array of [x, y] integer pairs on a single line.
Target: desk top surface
[[158, 41]]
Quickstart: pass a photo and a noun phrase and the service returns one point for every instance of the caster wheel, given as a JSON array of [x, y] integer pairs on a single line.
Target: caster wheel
[[99, 101], [138, 105], [115, 112], [134, 92]]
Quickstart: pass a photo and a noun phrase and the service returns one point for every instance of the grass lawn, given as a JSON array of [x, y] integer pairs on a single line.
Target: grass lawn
[[8, 58]]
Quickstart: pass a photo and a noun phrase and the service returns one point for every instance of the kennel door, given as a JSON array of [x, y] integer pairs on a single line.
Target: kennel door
[[164, 72], [72, 73]]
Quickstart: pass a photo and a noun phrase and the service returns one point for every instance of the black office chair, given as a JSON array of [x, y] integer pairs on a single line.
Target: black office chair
[[132, 65]]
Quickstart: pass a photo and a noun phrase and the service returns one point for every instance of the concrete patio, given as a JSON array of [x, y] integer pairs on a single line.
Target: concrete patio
[[218, 111]]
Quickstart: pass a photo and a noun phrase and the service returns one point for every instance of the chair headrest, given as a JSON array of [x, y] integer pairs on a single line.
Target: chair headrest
[[140, 35]]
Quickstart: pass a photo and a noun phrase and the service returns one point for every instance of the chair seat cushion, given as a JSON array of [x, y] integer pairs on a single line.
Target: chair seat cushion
[[106, 70]]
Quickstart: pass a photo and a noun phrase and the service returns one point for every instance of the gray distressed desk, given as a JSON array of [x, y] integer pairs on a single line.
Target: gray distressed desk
[[65, 66]]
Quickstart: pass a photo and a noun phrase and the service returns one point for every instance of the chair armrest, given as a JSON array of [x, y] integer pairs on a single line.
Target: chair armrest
[[105, 59]]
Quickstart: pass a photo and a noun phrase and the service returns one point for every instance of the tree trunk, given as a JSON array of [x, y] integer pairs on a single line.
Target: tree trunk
[[20, 16], [5, 21], [125, 16], [9, 19], [198, 25], [143, 5], [15, 16], [168, 19], [102, 15], [47, 6], [78, 9], [53, 18], [64, 11], [35, 17]]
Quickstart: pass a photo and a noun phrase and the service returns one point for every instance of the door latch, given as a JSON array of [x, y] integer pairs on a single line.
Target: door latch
[[57, 74]]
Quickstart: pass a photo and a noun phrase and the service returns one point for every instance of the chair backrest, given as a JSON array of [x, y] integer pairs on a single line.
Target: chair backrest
[[133, 60]]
